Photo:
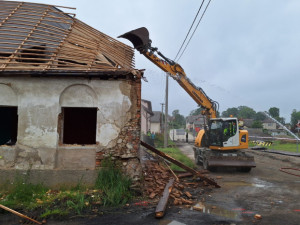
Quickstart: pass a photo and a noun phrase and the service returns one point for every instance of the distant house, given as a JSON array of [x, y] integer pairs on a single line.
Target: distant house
[[146, 114], [269, 124], [195, 123], [155, 122]]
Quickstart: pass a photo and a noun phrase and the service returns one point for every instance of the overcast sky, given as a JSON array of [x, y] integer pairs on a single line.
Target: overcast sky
[[243, 52]]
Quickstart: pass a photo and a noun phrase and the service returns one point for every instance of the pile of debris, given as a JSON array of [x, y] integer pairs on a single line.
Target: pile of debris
[[161, 182], [156, 178]]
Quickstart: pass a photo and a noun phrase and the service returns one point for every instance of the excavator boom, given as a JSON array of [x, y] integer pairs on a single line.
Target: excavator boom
[[141, 41], [210, 147]]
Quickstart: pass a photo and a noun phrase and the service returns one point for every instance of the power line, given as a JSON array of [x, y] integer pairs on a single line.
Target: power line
[[189, 30], [194, 30]]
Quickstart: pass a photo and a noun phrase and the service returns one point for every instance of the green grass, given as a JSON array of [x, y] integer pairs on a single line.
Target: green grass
[[159, 141], [112, 188], [178, 155], [114, 184], [282, 146], [55, 212]]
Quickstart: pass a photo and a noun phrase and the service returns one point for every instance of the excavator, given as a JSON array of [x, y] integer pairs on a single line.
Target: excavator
[[221, 142]]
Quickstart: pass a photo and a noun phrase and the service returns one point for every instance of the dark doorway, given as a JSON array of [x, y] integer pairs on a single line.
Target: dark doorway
[[8, 125], [79, 126]]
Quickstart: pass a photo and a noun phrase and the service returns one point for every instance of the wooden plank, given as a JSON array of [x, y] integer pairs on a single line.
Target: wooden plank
[[19, 214], [163, 202], [171, 159]]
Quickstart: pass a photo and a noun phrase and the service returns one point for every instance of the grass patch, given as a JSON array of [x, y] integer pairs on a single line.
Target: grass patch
[[23, 194], [54, 213], [159, 141], [115, 186], [280, 145], [112, 188], [178, 155]]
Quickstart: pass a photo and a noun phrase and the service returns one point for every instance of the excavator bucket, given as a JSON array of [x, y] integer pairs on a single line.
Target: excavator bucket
[[138, 37]]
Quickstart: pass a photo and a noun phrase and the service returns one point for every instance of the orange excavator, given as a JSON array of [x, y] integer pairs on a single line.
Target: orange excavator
[[221, 142]]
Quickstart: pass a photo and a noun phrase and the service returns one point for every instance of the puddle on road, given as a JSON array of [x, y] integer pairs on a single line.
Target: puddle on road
[[215, 210], [256, 183], [170, 222]]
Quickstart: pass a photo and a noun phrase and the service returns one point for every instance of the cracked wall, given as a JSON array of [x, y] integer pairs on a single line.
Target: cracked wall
[[40, 100]]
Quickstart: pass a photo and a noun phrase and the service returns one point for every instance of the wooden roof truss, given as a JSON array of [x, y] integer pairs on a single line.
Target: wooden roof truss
[[42, 37]]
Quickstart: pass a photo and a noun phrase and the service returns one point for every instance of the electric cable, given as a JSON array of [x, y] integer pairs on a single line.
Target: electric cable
[[194, 30], [189, 30]]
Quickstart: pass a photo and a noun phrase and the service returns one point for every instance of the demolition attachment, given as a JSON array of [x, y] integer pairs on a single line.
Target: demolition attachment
[[139, 38]]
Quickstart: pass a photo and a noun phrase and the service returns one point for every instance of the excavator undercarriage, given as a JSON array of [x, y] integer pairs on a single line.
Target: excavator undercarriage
[[212, 159]]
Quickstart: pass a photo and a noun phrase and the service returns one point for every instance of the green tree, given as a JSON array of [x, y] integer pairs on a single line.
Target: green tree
[[199, 110], [295, 116], [178, 120], [231, 111], [260, 116], [257, 124], [196, 112], [246, 112], [274, 112]]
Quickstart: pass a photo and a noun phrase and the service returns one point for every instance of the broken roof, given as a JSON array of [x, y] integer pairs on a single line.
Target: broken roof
[[39, 37]]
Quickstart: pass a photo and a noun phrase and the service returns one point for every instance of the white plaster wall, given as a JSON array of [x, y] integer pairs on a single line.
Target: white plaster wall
[[39, 102], [8, 96], [155, 127]]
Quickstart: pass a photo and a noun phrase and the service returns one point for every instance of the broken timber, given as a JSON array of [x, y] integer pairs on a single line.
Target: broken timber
[[162, 204], [19, 214], [171, 159]]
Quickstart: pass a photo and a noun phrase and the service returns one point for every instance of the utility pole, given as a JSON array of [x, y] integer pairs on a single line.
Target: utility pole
[[166, 113], [161, 117]]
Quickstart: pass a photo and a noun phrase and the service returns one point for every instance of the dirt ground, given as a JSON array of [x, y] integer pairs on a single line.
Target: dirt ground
[[265, 191]]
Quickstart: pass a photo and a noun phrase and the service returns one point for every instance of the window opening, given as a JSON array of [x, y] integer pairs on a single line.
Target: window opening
[[8, 125], [79, 125]]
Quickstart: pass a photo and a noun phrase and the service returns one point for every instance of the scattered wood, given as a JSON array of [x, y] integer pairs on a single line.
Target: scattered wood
[[19, 214], [198, 208], [162, 204], [171, 159], [188, 194], [175, 176], [182, 175], [257, 216]]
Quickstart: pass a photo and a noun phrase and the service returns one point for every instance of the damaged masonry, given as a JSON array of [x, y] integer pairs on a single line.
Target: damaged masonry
[[69, 96]]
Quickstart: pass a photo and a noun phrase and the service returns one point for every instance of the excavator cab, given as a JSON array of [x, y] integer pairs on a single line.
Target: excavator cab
[[139, 38], [224, 132]]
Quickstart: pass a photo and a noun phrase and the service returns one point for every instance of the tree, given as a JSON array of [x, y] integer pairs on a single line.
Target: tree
[[295, 116], [178, 120], [260, 116], [274, 112], [257, 124], [231, 111], [196, 112], [246, 112]]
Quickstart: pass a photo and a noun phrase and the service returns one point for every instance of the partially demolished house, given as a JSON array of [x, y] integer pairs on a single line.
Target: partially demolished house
[[69, 94]]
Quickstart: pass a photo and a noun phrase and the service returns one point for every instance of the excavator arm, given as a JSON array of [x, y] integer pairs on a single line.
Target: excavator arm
[[140, 40], [209, 146]]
